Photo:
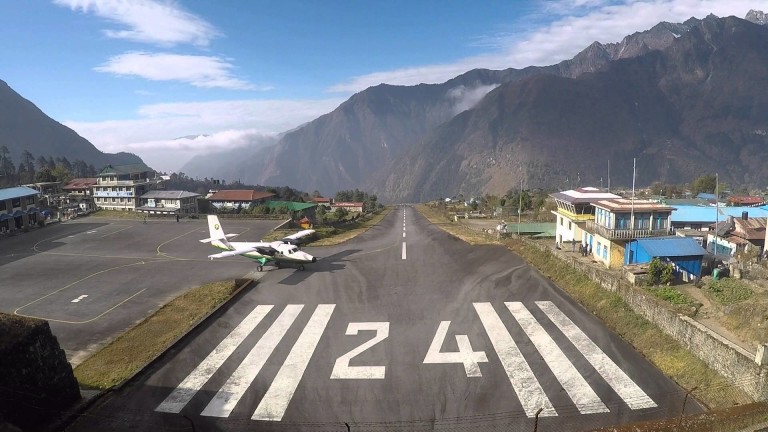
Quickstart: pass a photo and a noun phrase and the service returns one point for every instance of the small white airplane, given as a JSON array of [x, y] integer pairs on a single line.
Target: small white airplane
[[280, 251]]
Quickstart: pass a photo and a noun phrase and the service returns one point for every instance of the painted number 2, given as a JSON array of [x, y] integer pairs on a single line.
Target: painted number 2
[[465, 355], [342, 369]]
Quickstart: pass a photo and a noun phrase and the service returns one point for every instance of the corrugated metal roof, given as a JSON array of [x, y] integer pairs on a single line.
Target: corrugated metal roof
[[583, 195], [245, 195], [671, 246], [124, 169], [704, 214], [81, 183], [292, 205], [162, 194], [626, 204], [16, 192]]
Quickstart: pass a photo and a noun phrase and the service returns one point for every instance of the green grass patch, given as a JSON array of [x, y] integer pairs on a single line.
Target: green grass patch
[[327, 236], [132, 350], [729, 291], [672, 295]]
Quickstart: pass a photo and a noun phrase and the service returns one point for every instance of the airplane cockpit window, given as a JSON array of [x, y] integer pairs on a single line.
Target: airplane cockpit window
[[293, 250]]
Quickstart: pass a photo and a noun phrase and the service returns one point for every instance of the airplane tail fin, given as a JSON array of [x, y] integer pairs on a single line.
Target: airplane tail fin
[[216, 232]]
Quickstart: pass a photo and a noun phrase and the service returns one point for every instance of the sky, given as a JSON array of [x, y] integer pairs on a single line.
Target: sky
[[140, 75]]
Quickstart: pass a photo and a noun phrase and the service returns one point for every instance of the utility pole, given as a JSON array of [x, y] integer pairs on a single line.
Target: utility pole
[[520, 208], [717, 212]]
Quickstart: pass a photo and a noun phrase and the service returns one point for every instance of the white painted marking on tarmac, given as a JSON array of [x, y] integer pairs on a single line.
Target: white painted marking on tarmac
[[274, 403], [90, 232], [403, 235], [80, 298], [403, 250], [342, 369], [203, 372], [582, 395], [630, 392], [464, 355], [227, 397], [524, 382]]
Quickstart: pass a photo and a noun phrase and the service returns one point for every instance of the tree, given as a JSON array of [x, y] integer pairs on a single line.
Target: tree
[[44, 175], [705, 184], [62, 174]]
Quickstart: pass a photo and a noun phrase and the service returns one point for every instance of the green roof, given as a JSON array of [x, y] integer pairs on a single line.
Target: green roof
[[292, 205], [124, 169], [542, 229]]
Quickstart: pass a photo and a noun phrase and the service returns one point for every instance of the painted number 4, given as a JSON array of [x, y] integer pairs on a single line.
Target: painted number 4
[[465, 355]]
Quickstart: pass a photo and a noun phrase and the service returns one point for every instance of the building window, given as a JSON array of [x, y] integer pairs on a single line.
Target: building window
[[598, 249], [561, 220], [569, 225], [2, 205], [605, 253], [15, 202]]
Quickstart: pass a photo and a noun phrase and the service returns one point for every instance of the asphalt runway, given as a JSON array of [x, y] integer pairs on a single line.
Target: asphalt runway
[[92, 278], [402, 328]]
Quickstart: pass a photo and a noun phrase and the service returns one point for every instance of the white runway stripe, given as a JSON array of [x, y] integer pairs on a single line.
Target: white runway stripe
[[630, 392], [275, 402], [403, 250], [523, 381], [582, 395], [176, 401], [225, 400]]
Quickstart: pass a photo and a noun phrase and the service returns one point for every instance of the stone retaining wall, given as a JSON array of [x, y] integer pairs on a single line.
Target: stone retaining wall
[[731, 361], [36, 382]]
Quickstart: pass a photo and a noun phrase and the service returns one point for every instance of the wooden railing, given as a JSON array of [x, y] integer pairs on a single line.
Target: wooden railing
[[624, 234]]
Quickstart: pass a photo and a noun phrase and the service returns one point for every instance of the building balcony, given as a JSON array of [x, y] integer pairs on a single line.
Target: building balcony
[[114, 194], [624, 234], [573, 216], [123, 182]]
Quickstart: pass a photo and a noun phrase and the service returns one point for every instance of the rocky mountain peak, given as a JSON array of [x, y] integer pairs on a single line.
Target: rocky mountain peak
[[757, 17]]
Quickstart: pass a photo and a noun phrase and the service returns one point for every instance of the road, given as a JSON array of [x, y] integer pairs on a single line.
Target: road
[[403, 328]]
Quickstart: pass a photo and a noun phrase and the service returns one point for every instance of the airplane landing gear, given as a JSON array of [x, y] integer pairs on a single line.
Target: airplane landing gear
[[259, 268], [301, 267]]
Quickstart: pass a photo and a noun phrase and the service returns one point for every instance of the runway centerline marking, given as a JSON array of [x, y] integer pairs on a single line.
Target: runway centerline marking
[[403, 250]]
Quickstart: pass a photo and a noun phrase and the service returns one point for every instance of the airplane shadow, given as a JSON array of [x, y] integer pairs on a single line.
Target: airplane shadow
[[330, 264]]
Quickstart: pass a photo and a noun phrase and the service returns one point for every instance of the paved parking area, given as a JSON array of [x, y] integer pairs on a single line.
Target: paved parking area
[[93, 278]]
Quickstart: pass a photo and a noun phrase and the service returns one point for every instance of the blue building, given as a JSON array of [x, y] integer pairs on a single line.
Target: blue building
[[18, 208], [683, 253]]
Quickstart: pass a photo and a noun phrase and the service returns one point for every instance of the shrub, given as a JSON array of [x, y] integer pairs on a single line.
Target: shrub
[[660, 273], [729, 291]]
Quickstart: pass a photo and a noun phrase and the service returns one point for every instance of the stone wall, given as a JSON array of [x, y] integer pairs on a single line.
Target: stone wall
[[731, 361], [36, 383]]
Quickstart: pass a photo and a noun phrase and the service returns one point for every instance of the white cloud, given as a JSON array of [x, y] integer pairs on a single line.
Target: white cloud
[[162, 23], [465, 98], [153, 134], [573, 25], [199, 71]]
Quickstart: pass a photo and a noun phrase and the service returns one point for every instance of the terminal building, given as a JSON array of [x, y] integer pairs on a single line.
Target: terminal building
[[169, 202], [120, 187]]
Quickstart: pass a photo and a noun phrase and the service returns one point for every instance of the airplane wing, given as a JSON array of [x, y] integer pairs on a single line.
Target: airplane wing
[[233, 252], [293, 238], [228, 236]]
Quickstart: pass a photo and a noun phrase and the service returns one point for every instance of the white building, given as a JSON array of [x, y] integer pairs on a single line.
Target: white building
[[119, 187], [574, 209], [169, 202]]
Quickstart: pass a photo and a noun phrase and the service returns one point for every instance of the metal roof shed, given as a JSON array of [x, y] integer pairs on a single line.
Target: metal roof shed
[[683, 253]]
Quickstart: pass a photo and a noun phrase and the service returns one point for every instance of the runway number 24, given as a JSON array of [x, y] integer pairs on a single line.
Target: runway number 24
[[465, 355]]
